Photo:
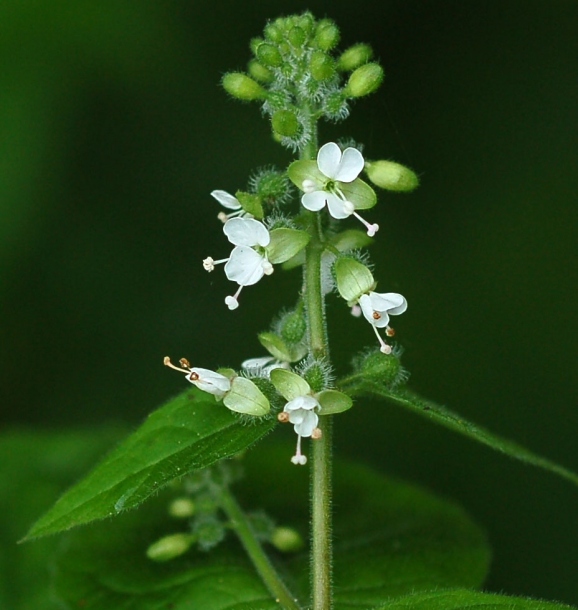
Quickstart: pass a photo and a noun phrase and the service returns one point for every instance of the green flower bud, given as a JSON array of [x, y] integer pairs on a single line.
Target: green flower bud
[[245, 397], [262, 525], [305, 22], [259, 72], [326, 35], [208, 531], [269, 55], [254, 44], [296, 37], [353, 278], [382, 368], [321, 66], [272, 186], [391, 176], [332, 402], [288, 384], [287, 540], [273, 32], [182, 508], [285, 123], [285, 243], [355, 56], [364, 80], [170, 547], [243, 87], [316, 376], [293, 327]]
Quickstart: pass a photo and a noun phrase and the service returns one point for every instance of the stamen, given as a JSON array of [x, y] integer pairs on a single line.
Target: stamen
[[267, 267], [371, 229], [385, 348], [283, 417], [167, 362], [209, 263], [299, 458], [390, 332], [316, 434], [185, 363], [376, 315], [224, 217]]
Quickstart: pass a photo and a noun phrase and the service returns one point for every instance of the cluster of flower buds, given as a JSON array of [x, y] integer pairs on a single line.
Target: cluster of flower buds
[[299, 51]]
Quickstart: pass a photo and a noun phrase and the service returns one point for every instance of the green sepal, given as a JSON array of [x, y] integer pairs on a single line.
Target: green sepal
[[305, 169], [245, 397], [333, 401], [353, 278], [286, 243], [250, 203], [229, 373], [289, 384], [359, 193], [275, 345]]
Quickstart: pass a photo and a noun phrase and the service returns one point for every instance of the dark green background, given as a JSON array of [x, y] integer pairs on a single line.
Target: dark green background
[[113, 132]]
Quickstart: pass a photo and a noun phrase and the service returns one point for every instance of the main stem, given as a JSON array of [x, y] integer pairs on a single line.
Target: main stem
[[321, 542]]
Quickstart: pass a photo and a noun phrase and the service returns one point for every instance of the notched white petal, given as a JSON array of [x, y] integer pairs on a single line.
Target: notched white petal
[[328, 159], [226, 200], [350, 166]]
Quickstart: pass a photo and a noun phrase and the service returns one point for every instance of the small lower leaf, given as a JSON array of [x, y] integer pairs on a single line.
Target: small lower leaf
[[443, 416], [190, 432], [462, 599]]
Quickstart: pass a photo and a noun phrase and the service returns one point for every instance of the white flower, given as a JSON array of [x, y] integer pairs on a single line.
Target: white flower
[[301, 413], [231, 203], [263, 366], [377, 307], [336, 169], [248, 262], [205, 379]]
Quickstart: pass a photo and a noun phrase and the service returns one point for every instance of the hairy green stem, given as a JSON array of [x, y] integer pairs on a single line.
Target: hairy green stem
[[321, 488], [264, 567]]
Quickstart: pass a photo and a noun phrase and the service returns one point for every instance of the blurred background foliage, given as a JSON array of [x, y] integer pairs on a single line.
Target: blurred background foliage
[[113, 132]]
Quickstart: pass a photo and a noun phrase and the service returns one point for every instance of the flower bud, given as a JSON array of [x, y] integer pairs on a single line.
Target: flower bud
[[208, 531], [355, 56], [316, 376], [182, 508], [259, 72], [296, 37], [245, 397], [321, 66], [170, 547], [364, 80], [243, 87], [269, 55], [285, 123], [326, 35], [293, 327], [353, 278], [305, 22], [254, 44], [382, 368], [273, 32], [391, 176], [287, 540]]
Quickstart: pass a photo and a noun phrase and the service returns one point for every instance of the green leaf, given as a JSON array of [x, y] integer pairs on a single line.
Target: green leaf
[[392, 539], [443, 416], [285, 243], [359, 193], [461, 599], [190, 432]]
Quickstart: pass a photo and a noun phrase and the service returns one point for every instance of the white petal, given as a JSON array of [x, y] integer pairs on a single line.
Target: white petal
[[211, 382], [369, 311], [245, 266], [246, 232], [338, 208], [328, 159], [257, 363], [301, 402], [350, 166], [226, 200], [309, 423], [314, 201], [392, 302]]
